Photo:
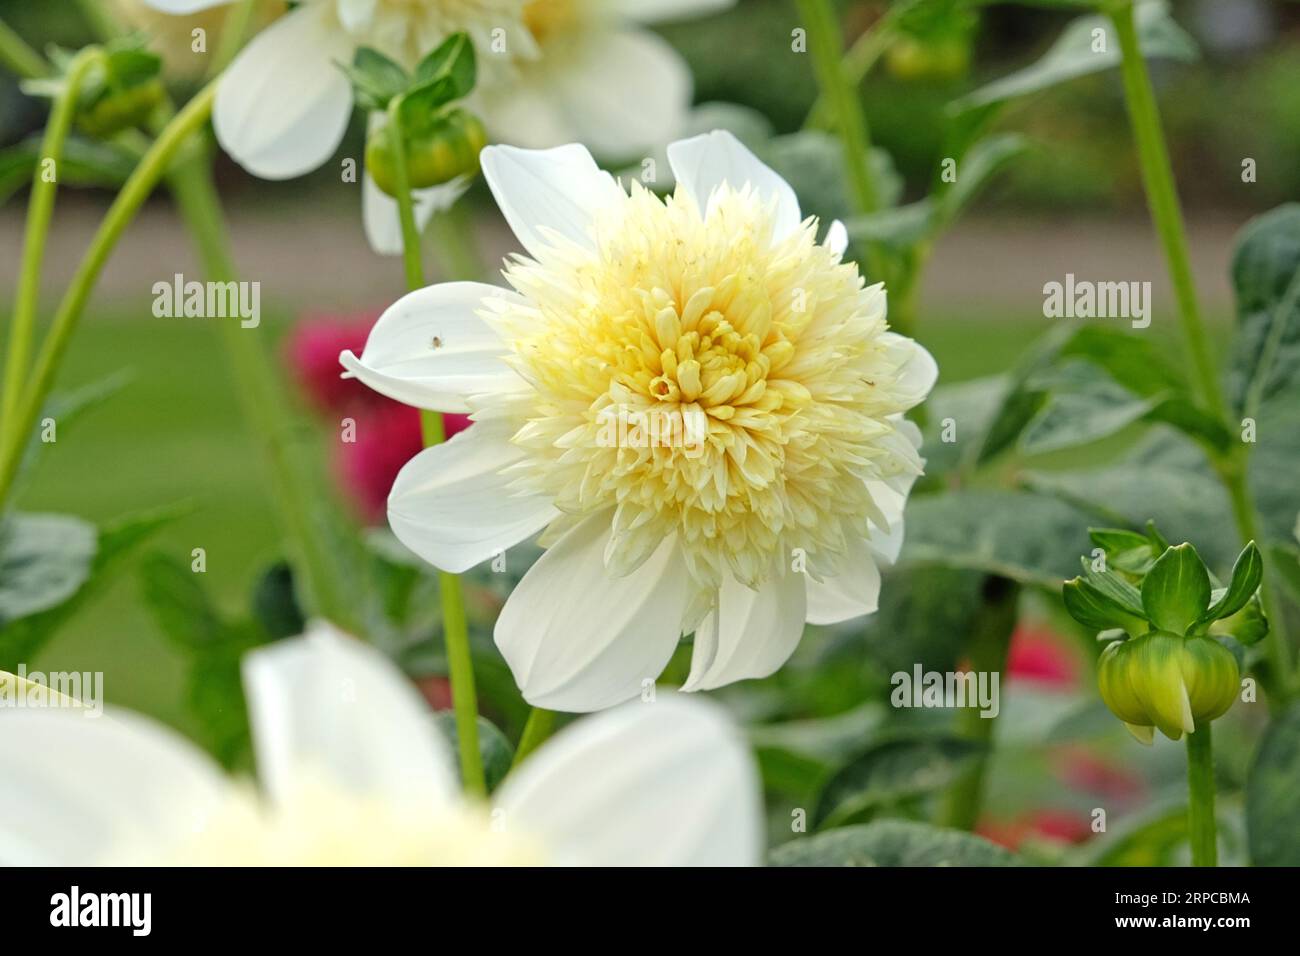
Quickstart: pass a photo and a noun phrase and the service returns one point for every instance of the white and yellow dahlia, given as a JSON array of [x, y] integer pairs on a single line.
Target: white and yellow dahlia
[[699, 404], [354, 772]]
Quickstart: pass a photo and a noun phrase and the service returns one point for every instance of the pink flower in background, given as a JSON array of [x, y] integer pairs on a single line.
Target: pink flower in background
[[388, 434], [1061, 826], [1037, 654]]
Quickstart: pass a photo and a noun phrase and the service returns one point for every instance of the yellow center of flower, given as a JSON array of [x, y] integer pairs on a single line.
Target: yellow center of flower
[[547, 18], [698, 379], [324, 825]]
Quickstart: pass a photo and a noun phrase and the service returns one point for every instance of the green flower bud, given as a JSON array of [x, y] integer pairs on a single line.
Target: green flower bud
[[1166, 681], [117, 110], [449, 148]]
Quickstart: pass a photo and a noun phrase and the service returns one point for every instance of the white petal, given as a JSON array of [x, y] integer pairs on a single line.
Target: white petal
[[890, 494], [578, 639], [668, 783], [283, 104], [703, 163], [918, 369], [657, 11], [325, 703], [752, 633], [837, 238], [80, 790], [356, 15], [623, 92], [851, 593], [451, 505], [430, 349], [559, 189], [184, 7]]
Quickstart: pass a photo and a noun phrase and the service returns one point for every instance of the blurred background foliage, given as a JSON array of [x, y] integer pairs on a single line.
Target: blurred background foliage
[[165, 433]]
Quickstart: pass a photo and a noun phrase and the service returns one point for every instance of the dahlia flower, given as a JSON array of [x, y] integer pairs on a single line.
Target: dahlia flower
[[773, 485], [353, 771]]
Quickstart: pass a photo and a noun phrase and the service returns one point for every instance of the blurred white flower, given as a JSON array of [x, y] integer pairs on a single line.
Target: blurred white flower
[[766, 363], [596, 77], [549, 71], [354, 772]]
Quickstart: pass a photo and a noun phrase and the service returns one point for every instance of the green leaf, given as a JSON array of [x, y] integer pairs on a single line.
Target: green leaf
[[1272, 798], [44, 560], [1095, 609], [1266, 279], [1176, 591], [85, 162], [493, 747], [1247, 572], [1027, 537], [131, 65], [1125, 551], [976, 169], [1115, 589], [892, 843], [375, 78], [454, 60], [812, 162], [20, 639], [1072, 55], [1246, 627], [275, 603], [890, 772], [181, 605], [422, 105]]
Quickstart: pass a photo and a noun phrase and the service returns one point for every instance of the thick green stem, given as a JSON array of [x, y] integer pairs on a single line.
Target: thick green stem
[[540, 726], [453, 243], [260, 395], [989, 642], [40, 209], [455, 629], [1162, 199], [825, 46], [1200, 797], [136, 189], [17, 56]]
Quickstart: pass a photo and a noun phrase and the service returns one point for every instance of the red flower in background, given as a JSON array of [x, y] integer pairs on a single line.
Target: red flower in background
[[1062, 826], [387, 433]]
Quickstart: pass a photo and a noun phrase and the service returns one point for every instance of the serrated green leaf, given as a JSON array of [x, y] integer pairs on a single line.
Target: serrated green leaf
[[1176, 591], [892, 843]]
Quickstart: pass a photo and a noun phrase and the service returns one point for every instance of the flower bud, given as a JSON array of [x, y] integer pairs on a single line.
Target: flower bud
[[117, 110], [447, 149], [1162, 680]]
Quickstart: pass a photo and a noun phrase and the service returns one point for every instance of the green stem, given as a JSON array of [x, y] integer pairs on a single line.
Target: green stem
[[989, 643], [540, 726], [454, 242], [40, 209], [1162, 200], [134, 192], [867, 49], [460, 663], [825, 45], [18, 57], [101, 22], [1200, 797], [260, 395]]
